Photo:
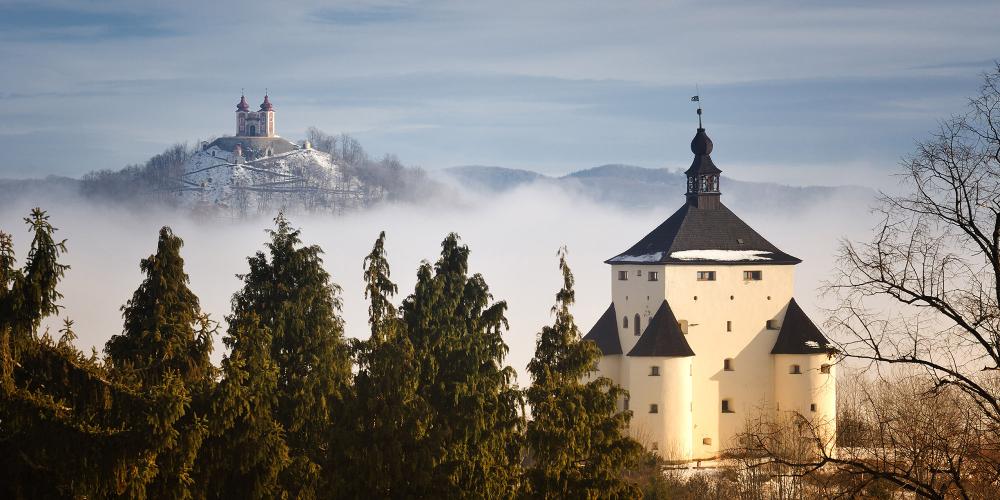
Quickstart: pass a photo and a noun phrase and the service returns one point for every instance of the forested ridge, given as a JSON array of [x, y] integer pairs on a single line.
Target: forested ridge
[[425, 407]]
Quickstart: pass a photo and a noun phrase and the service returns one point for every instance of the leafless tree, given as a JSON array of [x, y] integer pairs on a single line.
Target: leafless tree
[[918, 313]]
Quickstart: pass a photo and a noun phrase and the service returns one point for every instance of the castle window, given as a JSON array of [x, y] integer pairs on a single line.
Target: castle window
[[654, 371], [795, 370], [638, 272], [636, 325], [653, 276], [727, 407], [727, 365], [706, 441], [654, 446], [824, 369], [622, 275], [729, 326], [653, 408], [812, 407], [769, 324], [683, 325], [752, 275], [706, 275], [626, 404], [624, 321]]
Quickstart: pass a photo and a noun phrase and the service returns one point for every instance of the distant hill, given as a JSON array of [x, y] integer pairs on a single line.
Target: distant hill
[[629, 186]]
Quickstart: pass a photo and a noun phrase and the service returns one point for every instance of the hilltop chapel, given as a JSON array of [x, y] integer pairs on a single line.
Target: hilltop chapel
[[703, 330]]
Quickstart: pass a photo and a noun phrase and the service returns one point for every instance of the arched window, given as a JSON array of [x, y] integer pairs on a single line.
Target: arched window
[[624, 321], [636, 325]]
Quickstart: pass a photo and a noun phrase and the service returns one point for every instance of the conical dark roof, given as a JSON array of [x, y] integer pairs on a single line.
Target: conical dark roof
[[605, 333], [799, 335], [662, 337], [691, 228]]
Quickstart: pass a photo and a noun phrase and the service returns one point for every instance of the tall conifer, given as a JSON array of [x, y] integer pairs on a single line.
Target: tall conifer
[[290, 294], [390, 416], [471, 447], [165, 335], [576, 435]]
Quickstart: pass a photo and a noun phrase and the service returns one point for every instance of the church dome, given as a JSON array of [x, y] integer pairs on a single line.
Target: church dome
[[266, 105], [243, 105]]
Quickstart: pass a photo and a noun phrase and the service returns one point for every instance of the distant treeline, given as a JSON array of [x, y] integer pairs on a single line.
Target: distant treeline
[[426, 407], [385, 178]]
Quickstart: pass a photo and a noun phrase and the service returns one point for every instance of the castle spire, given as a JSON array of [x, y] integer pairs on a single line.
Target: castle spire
[[266, 105], [703, 175]]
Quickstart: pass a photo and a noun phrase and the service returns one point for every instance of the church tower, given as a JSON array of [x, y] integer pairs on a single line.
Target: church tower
[[702, 329], [255, 123]]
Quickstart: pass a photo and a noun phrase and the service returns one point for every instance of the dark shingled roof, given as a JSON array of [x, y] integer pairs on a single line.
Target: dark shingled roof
[[798, 334], [662, 337], [605, 333], [693, 228]]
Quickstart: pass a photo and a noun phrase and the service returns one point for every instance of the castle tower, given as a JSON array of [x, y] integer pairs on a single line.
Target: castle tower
[[697, 331]]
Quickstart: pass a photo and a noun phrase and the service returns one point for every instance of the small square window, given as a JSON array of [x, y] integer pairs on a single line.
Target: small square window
[[824, 369], [795, 370], [653, 276], [706, 275], [622, 275], [726, 406], [683, 326], [654, 408], [654, 371], [752, 275], [654, 446], [812, 407], [706, 441], [769, 324], [727, 365], [638, 272]]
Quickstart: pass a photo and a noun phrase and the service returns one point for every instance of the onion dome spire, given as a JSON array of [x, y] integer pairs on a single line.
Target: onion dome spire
[[266, 105], [703, 175], [243, 105]]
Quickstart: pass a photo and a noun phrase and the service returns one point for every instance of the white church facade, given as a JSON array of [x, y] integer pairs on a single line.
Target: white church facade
[[703, 330]]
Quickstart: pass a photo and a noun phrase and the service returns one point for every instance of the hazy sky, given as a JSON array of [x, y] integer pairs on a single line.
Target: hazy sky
[[801, 91]]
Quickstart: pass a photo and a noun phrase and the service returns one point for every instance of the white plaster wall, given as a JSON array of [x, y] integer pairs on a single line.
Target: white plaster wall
[[670, 428], [748, 305], [797, 392], [637, 295]]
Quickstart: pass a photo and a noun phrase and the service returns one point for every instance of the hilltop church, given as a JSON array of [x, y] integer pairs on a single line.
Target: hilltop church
[[703, 330]]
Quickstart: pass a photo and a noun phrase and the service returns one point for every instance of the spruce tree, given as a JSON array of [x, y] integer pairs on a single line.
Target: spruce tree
[[576, 436], [67, 429], [246, 453], [290, 294], [166, 335], [471, 446], [390, 418]]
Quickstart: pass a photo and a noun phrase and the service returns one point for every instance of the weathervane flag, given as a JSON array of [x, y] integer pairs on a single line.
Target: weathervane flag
[[695, 98]]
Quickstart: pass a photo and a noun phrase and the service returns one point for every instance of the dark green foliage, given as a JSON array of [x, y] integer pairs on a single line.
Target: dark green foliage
[[390, 418], [166, 335], [576, 434], [290, 295], [246, 453], [471, 445], [67, 429]]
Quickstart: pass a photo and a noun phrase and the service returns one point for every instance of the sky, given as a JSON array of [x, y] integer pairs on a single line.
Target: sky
[[800, 92]]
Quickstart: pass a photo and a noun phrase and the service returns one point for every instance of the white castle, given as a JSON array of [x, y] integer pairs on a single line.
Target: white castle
[[704, 333]]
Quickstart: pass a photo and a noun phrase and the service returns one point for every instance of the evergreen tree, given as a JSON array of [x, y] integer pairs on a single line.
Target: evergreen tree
[[166, 334], [291, 296], [389, 416], [576, 436], [66, 428], [471, 444], [246, 453]]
